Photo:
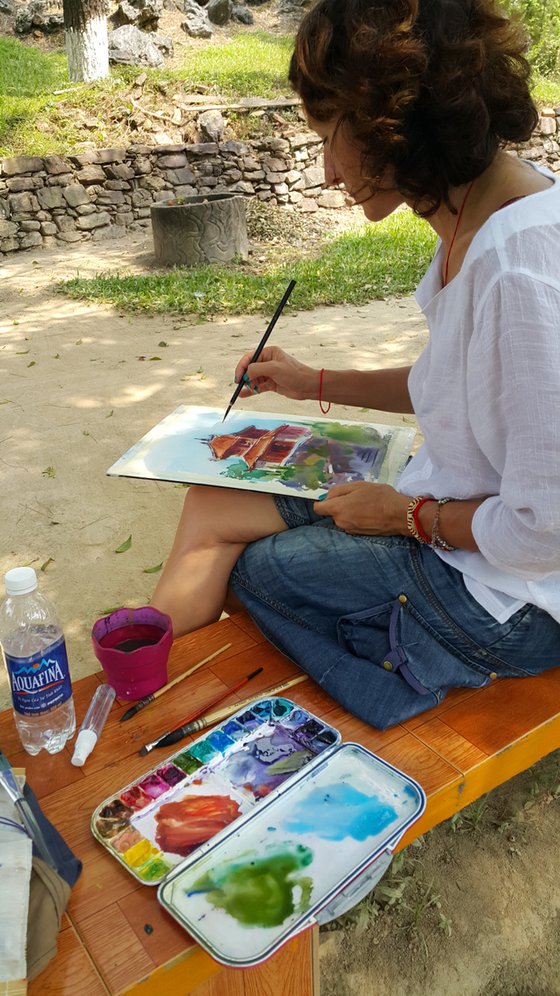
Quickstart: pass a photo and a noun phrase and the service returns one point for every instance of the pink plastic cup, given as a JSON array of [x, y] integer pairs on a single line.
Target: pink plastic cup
[[132, 646]]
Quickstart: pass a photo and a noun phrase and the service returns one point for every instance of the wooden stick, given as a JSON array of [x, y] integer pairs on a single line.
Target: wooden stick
[[215, 717]]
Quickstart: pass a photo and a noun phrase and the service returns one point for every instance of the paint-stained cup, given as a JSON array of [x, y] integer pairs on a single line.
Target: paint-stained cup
[[132, 646]]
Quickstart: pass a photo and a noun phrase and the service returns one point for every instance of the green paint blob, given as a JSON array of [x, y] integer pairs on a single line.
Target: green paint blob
[[187, 763], [259, 891]]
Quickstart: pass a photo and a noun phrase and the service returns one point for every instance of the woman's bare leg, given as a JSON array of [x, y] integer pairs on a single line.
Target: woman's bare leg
[[215, 527]]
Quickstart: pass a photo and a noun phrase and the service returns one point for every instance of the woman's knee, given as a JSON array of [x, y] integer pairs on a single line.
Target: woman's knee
[[223, 515]]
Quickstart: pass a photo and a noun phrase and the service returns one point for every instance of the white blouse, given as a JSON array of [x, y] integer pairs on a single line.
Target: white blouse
[[486, 392]]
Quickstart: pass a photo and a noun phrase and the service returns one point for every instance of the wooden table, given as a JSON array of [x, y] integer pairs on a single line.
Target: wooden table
[[117, 939]]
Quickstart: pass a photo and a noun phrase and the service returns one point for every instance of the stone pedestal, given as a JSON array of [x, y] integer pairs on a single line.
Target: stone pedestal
[[193, 231]]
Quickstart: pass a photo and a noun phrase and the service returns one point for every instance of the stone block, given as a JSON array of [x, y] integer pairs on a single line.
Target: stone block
[[50, 197], [124, 219], [56, 164], [84, 209], [547, 125], [253, 175], [23, 202], [185, 190], [7, 229], [48, 228], [153, 182], [204, 149], [182, 175], [30, 226], [92, 221], [281, 189], [60, 180], [31, 239], [15, 165], [75, 194], [8, 245], [64, 223], [234, 148], [18, 183], [313, 177], [68, 236], [140, 197], [91, 174], [243, 187], [110, 232], [308, 205], [141, 165], [175, 161], [120, 171], [331, 199], [118, 185]]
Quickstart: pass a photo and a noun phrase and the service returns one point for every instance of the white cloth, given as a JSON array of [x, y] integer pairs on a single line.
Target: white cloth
[[486, 391], [15, 877]]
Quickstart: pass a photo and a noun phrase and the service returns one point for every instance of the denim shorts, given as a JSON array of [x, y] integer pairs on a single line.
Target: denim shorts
[[382, 623]]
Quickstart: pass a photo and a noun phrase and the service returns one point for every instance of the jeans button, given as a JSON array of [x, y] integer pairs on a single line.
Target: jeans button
[[387, 665], [403, 599], [493, 676]]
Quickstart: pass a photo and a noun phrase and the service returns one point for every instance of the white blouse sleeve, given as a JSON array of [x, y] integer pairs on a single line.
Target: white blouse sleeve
[[513, 371]]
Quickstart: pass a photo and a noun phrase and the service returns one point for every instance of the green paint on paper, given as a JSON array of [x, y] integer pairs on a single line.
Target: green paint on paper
[[260, 891]]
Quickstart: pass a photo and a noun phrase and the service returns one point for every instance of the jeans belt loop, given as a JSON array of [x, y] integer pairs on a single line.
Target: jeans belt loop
[[396, 660]]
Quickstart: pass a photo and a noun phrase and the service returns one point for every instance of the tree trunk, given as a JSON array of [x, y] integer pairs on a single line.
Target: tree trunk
[[87, 45]]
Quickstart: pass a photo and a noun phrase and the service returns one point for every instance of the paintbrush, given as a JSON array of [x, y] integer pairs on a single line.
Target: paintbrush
[[24, 810], [260, 346], [215, 717], [155, 695], [173, 736]]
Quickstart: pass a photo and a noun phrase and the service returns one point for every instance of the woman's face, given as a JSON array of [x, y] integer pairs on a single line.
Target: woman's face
[[343, 164]]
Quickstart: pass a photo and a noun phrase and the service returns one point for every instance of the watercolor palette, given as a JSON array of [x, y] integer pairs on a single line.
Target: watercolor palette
[[151, 825], [270, 874]]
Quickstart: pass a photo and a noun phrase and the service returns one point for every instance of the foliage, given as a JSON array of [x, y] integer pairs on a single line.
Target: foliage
[[370, 262], [35, 120], [542, 20]]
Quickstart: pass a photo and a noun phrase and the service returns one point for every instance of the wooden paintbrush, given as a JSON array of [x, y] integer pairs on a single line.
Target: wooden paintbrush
[[171, 684]]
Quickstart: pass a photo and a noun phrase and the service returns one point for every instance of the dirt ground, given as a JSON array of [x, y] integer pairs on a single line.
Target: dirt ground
[[474, 910]]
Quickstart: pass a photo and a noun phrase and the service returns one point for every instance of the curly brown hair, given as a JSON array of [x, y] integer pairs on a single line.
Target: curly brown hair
[[430, 89]]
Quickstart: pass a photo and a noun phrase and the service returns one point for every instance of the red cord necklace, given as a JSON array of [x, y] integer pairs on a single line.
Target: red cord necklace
[[459, 216]]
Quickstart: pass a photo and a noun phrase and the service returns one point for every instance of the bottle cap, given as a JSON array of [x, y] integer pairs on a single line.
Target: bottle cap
[[20, 581], [85, 742]]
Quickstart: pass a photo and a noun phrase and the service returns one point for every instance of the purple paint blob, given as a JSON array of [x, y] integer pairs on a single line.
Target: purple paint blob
[[154, 786], [171, 774]]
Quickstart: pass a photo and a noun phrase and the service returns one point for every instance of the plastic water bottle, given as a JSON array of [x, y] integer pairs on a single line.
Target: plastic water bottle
[[35, 657]]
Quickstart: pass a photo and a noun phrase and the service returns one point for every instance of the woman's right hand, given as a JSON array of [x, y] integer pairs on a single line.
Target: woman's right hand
[[277, 371]]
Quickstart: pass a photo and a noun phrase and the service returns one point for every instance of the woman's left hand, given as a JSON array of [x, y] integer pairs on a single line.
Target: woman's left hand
[[366, 509]]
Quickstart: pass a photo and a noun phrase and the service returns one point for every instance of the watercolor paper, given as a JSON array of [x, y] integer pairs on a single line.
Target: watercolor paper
[[266, 451]]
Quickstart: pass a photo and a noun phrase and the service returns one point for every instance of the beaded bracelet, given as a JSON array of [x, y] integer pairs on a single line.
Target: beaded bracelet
[[437, 542], [412, 521]]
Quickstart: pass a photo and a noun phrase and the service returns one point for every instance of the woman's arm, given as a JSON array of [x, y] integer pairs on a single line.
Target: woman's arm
[[275, 370]]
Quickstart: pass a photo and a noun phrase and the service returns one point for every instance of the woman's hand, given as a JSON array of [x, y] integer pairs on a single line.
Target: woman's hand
[[366, 509], [277, 371]]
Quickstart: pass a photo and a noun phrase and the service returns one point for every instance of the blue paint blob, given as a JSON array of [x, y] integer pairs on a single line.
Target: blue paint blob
[[262, 709], [340, 812], [296, 719], [219, 740], [249, 720], [234, 730], [203, 751], [281, 707]]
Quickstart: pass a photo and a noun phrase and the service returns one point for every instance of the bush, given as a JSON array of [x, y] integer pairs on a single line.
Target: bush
[[542, 20]]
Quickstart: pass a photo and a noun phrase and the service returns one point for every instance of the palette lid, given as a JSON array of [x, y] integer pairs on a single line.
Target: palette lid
[[243, 896]]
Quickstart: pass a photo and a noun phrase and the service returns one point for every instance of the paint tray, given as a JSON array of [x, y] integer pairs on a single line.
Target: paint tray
[[311, 842], [153, 823]]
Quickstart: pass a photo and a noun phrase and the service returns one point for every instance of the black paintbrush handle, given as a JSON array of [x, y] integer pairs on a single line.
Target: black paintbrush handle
[[263, 342], [136, 708], [172, 738]]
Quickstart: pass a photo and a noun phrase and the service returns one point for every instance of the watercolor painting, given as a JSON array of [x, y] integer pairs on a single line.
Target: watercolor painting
[[244, 896], [170, 811], [266, 451]]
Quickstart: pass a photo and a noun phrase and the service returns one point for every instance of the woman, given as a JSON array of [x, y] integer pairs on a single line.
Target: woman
[[387, 596]]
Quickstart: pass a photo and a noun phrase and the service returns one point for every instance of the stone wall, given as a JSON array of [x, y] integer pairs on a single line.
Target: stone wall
[[105, 193]]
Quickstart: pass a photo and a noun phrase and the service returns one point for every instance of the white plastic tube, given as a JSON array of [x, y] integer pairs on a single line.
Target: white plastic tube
[[93, 723]]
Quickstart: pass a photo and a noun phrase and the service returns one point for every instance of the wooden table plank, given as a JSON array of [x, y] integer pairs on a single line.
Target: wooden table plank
[[450, 745], [119, 955], [506, 711], [161, 936], [71, 971]]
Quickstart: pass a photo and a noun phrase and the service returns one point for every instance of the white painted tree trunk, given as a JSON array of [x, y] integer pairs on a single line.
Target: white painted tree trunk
[[87, 51]]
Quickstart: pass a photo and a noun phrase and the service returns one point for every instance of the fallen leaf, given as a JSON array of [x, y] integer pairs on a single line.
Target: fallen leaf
[[32, 364], [155, 357], [152, 570], [162, 343], [125, 546], [107, 612], [22, 352], [46, 564], [49, 472], [110, 413]]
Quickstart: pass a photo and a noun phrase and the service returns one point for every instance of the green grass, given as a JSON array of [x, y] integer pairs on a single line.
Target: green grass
[[354, 268], [34, 121]]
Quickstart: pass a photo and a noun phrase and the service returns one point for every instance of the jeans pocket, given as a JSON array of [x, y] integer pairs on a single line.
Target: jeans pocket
[[396, 637]]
